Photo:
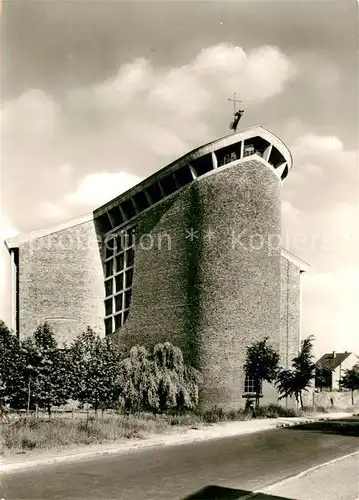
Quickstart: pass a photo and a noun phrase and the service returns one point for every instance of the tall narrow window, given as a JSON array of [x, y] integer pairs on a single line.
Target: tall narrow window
[[119, 269]]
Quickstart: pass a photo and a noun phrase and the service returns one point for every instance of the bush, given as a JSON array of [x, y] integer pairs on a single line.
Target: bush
[[214, 415]]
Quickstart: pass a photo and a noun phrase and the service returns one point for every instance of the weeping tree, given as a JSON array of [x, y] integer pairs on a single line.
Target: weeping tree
[[158, 382], [177, 382]]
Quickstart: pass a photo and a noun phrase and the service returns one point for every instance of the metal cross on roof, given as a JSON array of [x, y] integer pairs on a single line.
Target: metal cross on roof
[[237, 115]]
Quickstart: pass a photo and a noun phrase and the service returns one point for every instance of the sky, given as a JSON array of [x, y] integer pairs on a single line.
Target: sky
[[98, 95]]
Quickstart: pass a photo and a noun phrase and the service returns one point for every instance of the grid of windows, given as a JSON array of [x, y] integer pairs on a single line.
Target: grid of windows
[[119, 260], [250, 384]]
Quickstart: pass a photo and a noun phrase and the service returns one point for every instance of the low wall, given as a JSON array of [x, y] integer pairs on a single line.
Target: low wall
[[327, 399]]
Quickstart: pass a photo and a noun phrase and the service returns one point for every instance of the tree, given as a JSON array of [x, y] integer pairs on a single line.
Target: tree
[[262, 364], [95, 365], [137, 383], [177, 382], [294, 381], [9, 357], [323, 377], [47, 368], [13, 377], [157, 382], [350, 380]]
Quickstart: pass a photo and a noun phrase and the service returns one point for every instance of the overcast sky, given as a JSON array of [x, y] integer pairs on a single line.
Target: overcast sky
[[99, 95]]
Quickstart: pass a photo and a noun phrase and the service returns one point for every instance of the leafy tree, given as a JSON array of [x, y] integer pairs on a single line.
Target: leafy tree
[[95, 365], [350, 380], [10, 365], [294, 381], [262, 364], [47, 368], [159, 382], [323, 377]]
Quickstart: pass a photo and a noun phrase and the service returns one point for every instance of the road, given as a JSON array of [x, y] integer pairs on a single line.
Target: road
[[236, 466]]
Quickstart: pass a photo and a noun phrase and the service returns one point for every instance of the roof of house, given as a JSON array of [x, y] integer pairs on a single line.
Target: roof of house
[[332, 360]]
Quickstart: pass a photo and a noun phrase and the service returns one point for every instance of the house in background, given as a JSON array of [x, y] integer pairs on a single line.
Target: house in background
[[334, 364]]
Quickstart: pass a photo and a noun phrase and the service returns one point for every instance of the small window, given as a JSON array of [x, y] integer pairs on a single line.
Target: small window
[[276, 158], [109, 287], [119, 282], [125, 315], [118, 302], [131, 238], [108, 326], [202, 165], [104, 223], [119, 262], [168, 184], [128, 294], [108, 306], [129, 277], [141, 200], [130, 257], [128, 209], [110, 245], [115, 216], [228, 154], [183, 176], [118, 321], [154, 192], [109, 268], [248, 150]]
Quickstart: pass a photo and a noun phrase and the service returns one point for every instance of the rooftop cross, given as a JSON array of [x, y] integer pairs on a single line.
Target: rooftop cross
[[237, 115]]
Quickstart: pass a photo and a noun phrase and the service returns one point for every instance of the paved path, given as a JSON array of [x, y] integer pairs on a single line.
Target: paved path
[[236, 465]]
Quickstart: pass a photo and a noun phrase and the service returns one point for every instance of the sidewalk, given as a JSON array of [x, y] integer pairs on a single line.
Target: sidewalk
[[182, 436], [338, 480]]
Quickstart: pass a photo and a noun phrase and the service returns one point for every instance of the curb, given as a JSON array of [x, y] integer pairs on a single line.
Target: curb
[[311, 420], [189, 436]]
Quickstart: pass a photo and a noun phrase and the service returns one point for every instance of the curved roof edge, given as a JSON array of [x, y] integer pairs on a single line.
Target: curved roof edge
[[229, 139], [202, 150]]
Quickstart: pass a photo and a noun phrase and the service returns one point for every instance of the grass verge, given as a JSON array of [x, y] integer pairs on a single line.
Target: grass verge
[[21, 435]]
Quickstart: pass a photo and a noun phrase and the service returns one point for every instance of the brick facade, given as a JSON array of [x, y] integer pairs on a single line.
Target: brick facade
[[61, 281], [210, 296], [289, 311], [209, 274]]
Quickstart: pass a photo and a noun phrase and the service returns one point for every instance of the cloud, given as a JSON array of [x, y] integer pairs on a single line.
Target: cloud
[[320, 224], [331, 312], [190, 89], [98, 188], [131, 124]]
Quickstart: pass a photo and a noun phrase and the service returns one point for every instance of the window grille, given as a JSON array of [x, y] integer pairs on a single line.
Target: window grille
[[250, 384], [119, 265]]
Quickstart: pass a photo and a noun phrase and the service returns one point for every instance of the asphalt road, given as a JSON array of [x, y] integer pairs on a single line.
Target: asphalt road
[[222, 468]]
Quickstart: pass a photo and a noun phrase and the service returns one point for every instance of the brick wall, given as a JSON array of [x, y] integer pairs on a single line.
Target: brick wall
[[289, 311], [61, 281], [208, 296]]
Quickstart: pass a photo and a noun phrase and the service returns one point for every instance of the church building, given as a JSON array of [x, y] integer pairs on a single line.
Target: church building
[[192, 255]]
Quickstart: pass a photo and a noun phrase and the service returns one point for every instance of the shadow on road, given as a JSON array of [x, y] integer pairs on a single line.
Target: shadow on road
[[222, 493], [344, 427]]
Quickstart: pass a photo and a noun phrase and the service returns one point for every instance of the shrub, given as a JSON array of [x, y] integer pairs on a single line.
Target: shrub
[[214, 415]]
